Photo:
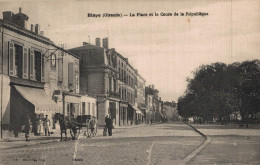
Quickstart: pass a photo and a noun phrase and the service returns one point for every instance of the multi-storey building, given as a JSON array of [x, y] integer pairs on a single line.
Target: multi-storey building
[[153, 104], [108, 75], [140, 97], [127, 90], [37, 76], [98, 71]]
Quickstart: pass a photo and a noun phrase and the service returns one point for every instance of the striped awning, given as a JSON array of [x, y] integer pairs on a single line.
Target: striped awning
[[39, 99]]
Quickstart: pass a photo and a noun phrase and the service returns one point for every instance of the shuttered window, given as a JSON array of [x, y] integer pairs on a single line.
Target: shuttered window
[[88, 109], [11, 59], [25, 63], [77, 83], [71, 74], [60, 70], [37, 65], [93, 109], [42, 67], [32, 70], [83, 108]]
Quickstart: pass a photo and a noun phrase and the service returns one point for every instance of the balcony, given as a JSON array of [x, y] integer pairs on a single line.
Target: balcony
[[114, 94]]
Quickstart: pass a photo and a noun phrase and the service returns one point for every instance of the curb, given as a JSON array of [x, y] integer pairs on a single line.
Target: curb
[[193, 153], [196, 151]]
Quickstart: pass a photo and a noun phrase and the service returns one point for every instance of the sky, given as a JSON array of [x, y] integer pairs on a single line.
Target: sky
[[164, 49]]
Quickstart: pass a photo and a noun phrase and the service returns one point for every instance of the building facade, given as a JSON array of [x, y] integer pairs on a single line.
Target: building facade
[[140, 97], [99, 77], [37, 76], [127, 89], [108, 75]]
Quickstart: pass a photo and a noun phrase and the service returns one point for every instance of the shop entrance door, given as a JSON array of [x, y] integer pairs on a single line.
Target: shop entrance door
[[112, 111]]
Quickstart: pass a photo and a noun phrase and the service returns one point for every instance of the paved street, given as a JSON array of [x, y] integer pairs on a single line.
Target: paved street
[[144, 144], [229, 145]]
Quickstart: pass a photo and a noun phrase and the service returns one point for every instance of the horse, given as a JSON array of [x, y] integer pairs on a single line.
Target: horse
[[63, 124], [67, 123]]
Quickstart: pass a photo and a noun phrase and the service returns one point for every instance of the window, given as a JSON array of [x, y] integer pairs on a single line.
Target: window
[[37, 65], [83, 108], [60, 70], [93, 109], [88, 108], [77, 84], [18, 60], [115, 90], [68, 109]]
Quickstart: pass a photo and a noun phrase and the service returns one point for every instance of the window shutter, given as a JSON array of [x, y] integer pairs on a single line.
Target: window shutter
[[11, 59], [32, 69], [25, 63], [77, 83], [71, 73], [60, 70], [42, 67]]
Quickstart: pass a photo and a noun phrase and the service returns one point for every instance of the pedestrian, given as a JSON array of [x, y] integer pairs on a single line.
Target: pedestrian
[[106, 126], [46, 125], [39, 126], [16, 129], [109, 125], [27, 128]]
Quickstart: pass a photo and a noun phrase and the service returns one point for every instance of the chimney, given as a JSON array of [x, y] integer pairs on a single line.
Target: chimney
[[85, 43], [98, 42], [105, 43], [113, 49], [37, 29], [8, 16], [20, 19], [33, 28], [126, 59], [152, 86], [42, 33]]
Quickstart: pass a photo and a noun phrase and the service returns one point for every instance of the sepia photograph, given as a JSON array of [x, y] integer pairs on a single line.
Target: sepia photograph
[[145, 82]]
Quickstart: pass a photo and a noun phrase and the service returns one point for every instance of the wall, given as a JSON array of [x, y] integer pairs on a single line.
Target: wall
[[6, 92], [96, 82], [102, 112], [92, 101]]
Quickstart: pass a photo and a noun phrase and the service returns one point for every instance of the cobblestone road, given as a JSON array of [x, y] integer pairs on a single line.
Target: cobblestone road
[[145, 144]]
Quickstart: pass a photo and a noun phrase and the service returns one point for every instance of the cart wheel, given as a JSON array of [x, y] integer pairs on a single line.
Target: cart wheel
[[74, 133], [95, 132]]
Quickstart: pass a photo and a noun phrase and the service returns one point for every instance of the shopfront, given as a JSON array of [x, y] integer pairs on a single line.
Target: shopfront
[[32, 103]]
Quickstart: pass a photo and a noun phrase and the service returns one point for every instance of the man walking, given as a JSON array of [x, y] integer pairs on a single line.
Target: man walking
[[109, 124], [27, 128]]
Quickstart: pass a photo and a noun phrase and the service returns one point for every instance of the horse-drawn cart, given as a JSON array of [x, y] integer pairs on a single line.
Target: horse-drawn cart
[[84, 123]]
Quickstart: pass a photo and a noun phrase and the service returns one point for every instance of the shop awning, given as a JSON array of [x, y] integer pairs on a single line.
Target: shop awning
[[39, 99], [137, 110]]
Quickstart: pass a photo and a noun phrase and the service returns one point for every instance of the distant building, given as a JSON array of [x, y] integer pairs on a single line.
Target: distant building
[[140, 97], [153, 102], [170, 111]]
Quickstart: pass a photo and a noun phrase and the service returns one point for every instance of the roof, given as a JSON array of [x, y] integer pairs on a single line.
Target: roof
[[88, 46], [30, 34]]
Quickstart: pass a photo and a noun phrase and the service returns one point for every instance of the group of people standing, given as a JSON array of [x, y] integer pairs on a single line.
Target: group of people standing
[[37, 125]]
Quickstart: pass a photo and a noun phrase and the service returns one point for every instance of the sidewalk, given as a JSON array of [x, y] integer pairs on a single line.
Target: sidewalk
[[13, 142]]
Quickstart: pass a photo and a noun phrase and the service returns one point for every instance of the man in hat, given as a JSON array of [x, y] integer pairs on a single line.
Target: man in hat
[[46, 125]]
